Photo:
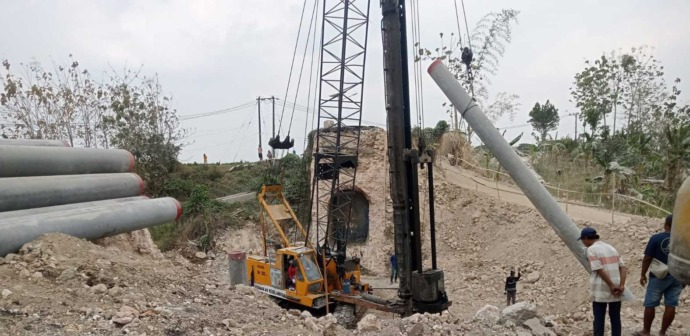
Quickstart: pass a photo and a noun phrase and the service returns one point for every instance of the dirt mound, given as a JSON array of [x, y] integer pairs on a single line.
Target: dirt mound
[[455, 147], [139, 242], [61, 285]]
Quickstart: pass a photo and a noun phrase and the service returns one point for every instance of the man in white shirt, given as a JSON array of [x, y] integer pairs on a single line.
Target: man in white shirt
[[606, 282]]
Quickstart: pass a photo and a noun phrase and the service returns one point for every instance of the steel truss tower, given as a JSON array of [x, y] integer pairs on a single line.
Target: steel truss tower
[[343, 56]]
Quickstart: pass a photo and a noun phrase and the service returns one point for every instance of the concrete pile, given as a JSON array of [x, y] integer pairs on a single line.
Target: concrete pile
[[88, 193]]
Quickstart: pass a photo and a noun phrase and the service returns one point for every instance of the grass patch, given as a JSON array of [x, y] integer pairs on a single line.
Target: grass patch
[[202, 218]]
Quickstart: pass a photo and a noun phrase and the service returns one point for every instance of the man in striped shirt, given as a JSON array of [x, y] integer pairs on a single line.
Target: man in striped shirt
[[606, 282]]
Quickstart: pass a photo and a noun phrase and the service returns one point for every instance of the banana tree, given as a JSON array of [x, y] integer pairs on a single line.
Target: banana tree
[[512, 144], [676, 150]]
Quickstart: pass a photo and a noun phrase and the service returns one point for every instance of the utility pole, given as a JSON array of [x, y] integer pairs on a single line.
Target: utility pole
[[273, 101], [574, 114], [258, 104]]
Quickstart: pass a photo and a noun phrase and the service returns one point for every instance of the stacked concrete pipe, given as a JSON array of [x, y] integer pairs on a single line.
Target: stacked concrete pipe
[[48, 187]]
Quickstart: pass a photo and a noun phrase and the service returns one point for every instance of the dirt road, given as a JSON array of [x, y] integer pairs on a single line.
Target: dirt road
[[470, 180]]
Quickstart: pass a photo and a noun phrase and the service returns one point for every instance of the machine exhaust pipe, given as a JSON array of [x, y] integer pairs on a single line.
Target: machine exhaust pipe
[[499, 147], [36, 211], [18, 161], [88, 223], [18, 193]]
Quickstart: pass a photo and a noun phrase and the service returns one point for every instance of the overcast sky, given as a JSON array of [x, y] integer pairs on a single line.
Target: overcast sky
[[211, 55]]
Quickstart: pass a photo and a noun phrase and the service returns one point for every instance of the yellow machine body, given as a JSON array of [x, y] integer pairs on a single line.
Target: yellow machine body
[[269, 272], [679, 257], [270, 275]]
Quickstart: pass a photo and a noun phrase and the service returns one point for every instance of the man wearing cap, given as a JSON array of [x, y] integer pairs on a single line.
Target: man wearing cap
[[606, 282], [661, 284]]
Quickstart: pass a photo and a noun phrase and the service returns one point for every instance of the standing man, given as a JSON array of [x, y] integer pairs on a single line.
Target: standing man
[[261, 153], [660, 284], [394, 267], [511, 287], [606, 282]]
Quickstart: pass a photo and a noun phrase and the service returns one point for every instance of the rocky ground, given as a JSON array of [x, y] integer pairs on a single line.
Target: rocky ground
[[60, 285]]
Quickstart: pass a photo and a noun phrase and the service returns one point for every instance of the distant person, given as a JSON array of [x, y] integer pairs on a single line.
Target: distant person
[[394, 267], [261, 153], [292, 272], [511, 287], [606, 282], [660, 284], [205, 159], [269, 155]]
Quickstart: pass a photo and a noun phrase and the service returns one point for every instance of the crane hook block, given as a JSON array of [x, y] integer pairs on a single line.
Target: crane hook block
[[466, 56], [275, 143]]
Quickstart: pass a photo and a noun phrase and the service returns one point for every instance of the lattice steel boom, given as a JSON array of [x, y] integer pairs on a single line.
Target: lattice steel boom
[[343, 55]]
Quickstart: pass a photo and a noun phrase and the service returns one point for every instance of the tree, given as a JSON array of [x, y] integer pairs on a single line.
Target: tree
[[488, 41], [592, 93], [125, 111], [144, 123], [544, 118], [431, 136]]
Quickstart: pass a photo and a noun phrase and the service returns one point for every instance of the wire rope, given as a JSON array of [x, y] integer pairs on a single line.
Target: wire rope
[[311, 76], [294, 53], [304, 57]]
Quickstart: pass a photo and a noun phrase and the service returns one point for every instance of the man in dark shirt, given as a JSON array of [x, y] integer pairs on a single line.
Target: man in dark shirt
[[511, 287], [668, 286], [394, 267]]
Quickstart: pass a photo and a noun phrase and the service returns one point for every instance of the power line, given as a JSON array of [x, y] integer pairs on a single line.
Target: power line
[[303, 108], [217, 112]]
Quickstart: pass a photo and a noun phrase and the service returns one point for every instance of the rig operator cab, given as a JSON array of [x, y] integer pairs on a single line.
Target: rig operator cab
[[271, 275]]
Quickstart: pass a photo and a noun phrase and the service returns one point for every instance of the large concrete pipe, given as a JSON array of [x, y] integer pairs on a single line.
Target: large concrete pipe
[[679, 258], [36, 211], [18, 193], [44, 161], [499, 147], [34, 142], [89, 223]]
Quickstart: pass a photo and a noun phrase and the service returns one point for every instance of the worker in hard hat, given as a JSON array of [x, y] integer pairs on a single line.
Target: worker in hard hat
[[661, 282]]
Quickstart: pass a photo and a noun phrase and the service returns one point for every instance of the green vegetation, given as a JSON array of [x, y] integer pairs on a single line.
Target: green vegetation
[[197, 186], [202, 218]]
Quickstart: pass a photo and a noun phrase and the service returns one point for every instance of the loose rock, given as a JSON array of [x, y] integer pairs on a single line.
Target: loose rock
[[488, 315], [5, 293], [369, 323], [518, 313], [537, 329], [99, 289]]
